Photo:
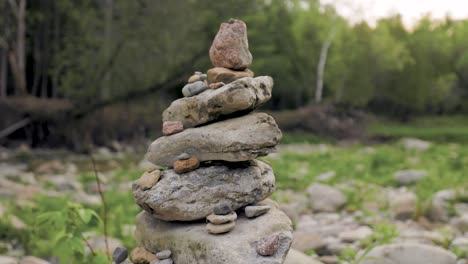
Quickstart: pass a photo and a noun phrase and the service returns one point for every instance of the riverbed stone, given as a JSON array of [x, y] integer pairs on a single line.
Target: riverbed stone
[[244, 94], [190, 243], [186, 165], [172, 127], [142, 256], [193, 195], [220, 74], [230, 48], [325, 198], [221, 219], [220, 228], [216, 85], [148, 179], [194, 88], [237, 139], [256, 210], [165, 254]]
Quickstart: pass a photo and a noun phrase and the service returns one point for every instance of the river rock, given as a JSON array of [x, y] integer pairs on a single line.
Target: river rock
[[119, 255], [220, 74], [194, 88], [186, 165], [190, 243], [221, 228], [409, 253], [193, 195], [297, 257], [325, 198], [406, 177], [216, 85], [238, 139], [172, 127], [196, 78], [142, 256], [230, 48], [403, 205], [165, 254], [244, 94], [221, 219], [222, 209], [256, 210], [148, 179]]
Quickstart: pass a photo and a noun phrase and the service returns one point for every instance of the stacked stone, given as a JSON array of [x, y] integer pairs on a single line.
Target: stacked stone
[[210, 148]]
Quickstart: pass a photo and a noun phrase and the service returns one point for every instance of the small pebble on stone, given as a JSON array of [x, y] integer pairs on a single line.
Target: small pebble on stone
[[222, 209], [148, 179], [165, 254], [183, 156], [194, 78], [172, 127], [198, 73], [216, 85], [220, 229], [142, 256], [183, 166], [195, 88], [221, 219], [163, 261], [120, 255], [268, 246], [256, 210]]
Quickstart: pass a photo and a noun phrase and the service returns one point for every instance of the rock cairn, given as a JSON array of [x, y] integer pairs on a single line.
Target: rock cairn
[[210, 205]]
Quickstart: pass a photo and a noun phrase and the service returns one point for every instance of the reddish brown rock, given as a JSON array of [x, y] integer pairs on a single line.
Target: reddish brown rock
[[183, 166], [216, 85], [268, 246], [148, 179], [172, 127], [220, 74], [230, 48], [142, 256]]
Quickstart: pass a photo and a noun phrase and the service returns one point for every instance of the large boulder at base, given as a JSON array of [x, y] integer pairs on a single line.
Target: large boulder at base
[[241, 95], [230, 48], [238, 139], [191, 243], [193, 195], [407, 253]]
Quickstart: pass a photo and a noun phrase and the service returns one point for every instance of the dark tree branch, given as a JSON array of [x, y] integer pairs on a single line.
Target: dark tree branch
[[7, 131]]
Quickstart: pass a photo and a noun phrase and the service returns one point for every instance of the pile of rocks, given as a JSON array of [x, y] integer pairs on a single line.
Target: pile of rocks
[[210, 148]]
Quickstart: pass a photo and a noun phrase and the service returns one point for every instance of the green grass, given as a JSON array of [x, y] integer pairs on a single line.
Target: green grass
[[434, 128]]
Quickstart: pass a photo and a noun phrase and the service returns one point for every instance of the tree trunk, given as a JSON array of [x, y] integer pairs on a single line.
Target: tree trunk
[[16, 54], [3, 73], [109, 13], [322, 63]]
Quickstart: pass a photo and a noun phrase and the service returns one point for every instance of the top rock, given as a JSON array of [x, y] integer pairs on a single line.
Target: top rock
[[230, 48]]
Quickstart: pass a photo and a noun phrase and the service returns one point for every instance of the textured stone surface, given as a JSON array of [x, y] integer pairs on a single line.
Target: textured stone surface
[[172, 127], [409, 254], [297, 257], [165, 254], [220, 74], [241, 95], [325, 198], [119, 255], [142, 256], [404, 205], [230, 48], [221, 228], [238, 139], [222, 209], [193, 195], [406, 177], [194, 88], [268, 246], [190, 243], [221, 219], [253, 211], [216, 85], [186, 165]]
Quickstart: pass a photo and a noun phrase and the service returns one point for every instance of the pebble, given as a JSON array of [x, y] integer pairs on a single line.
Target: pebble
[[221, 219], [224, 75], [461, 223], [268, 246], [164, 261], [216, 85], [120, 255], [360, 233], [406, 177], [404, 205], [172, 127], [165, 254], [222, 209], [220, 229], [148, 179], [325, 198], [256, 210], [183, 166], [183, 156], [329, 259], [142, 256], [195, 88], [194, 78]]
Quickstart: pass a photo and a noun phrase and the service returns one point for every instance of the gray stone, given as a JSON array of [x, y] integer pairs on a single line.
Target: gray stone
[[183, 156], [297, 257], [406, 177], [357, 234], [165, 254], [221, 219], [220, 228], [404, 205], [193, 195], [325, 198], [416, 144], [163, 261], [192, 89], [222, 209], [119, 255], [461, 223], [304, 241], [190, 243], [8, 260], [409, 253], [244, 94], [256, 210], [32, 260], [238, 139]]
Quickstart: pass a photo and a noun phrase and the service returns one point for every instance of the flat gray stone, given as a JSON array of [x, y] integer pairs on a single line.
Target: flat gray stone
[[256, 210], [221, 219], [165, 254], [241, 95], [408, 253], [193, 195], [238, 139], [190, 243], [221, 228], [325, 198]]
